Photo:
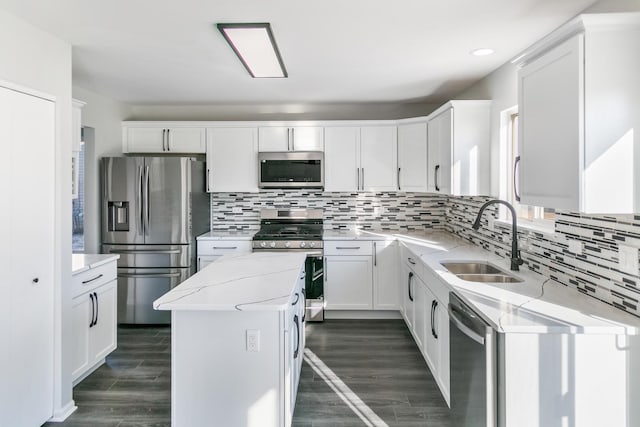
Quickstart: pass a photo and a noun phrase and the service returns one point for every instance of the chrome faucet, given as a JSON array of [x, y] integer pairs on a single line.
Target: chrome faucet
[[516, 261]]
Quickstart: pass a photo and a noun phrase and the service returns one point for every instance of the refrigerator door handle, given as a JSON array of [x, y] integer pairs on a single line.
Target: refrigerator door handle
[[146, 200], [139, 202], [149, 275], [145, 252]]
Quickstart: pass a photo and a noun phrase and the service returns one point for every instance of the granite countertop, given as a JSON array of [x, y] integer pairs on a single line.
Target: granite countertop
[[228, 235], [259, 281], [83, 262], [535, 305]]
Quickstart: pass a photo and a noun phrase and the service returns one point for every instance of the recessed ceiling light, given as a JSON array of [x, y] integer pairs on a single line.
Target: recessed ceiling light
[[256, 48], [482, 52]]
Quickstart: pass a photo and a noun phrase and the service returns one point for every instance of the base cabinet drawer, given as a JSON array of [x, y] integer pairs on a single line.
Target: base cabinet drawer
[[348, 247], [93, 278], [94, 328], [222, 247]]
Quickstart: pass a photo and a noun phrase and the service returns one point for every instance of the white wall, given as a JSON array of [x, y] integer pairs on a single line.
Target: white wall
[[104, 115], [35, 59], [501, 86], [282, 112]]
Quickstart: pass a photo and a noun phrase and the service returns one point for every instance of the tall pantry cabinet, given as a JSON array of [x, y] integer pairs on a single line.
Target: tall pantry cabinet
[[27, 139]]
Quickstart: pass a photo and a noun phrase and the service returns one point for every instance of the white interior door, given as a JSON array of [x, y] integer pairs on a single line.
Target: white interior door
[[26, 318]]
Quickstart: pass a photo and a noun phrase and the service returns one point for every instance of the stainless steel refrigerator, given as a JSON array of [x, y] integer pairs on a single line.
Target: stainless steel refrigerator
[[152, 210]]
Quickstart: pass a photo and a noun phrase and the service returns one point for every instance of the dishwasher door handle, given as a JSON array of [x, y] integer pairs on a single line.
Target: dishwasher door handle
[[455, 318]]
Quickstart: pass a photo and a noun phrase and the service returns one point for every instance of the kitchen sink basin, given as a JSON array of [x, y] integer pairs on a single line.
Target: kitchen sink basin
[[479, 272]]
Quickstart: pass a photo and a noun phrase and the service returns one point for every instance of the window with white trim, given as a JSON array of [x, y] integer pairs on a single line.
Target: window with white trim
[[531, 216]]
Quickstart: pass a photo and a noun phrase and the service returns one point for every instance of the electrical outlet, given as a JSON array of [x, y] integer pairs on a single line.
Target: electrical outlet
[[253, 340], [628, 259], [575, 246]]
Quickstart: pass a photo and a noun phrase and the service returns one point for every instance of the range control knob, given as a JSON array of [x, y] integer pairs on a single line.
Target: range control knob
[[263, 244], [303, 244], [286, 245], [272, 244], [312, 244]]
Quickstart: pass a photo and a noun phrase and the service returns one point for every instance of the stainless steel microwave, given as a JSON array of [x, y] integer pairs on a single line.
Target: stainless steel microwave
[[291, 169]]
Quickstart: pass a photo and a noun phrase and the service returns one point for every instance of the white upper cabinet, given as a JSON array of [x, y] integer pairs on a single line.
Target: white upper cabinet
[[168, 138], [296, 138], [378, 158], [342, 159], [360, 158], [459, 148], [412, 157], [578, 107], [232, 160]]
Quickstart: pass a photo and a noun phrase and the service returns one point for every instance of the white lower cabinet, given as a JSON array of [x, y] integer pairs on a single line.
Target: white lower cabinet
[[94, 320], [424, 309], [348, 282], [385, 275]]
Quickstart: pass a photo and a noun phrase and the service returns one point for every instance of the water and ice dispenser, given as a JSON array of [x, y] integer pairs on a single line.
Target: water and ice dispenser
[[118, 216]]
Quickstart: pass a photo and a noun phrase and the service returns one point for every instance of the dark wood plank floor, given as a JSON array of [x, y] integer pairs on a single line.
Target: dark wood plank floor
[[376, 360]]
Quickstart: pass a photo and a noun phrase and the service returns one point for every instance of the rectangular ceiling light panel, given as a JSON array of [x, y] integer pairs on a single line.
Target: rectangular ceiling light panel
[[256, 48]]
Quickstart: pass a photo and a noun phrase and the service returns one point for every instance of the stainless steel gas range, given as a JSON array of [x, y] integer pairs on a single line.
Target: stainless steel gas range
[[297, 230]]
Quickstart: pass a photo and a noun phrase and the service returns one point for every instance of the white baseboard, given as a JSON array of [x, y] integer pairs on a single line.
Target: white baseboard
[[89, 371], [362, 314], [63, 413]]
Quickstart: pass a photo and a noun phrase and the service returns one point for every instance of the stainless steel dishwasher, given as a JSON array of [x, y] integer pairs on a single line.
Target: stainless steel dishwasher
[[473, 353]]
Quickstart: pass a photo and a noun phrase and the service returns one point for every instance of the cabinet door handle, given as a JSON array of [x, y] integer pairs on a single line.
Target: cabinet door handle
[[358, 178], [93, 310], [409, 286], [168, 140], [208, 179], [95, 294], [411, 261], [304, 304], [435, 177], [297, 299], [164, 140], [399, 179], [35, 280], [326, 269], [362, 179], [433, 319], [293, 139], [433, 333], [84, 282], [375, 255], [515, 175], [297, 350]]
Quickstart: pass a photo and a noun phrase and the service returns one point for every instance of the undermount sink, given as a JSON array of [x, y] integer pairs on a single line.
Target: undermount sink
[[479, 272]]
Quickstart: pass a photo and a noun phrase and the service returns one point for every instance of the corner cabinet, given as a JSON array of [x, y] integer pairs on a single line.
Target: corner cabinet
[[232, 160], [412, 156], [94, 318], [578, 94], [459, 148], [160, 137], [361, 158]]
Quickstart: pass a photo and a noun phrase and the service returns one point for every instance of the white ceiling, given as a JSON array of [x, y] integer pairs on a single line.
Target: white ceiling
[[169, 51]]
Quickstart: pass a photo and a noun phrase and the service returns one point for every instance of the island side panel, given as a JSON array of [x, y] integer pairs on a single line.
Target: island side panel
[[215, 381], [584, 380]]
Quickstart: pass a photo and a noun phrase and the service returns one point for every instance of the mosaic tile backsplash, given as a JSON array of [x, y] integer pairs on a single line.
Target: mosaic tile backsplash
[[594, 272], [375, 211]]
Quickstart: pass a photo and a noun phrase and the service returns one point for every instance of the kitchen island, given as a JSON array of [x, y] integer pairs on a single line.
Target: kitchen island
[[237, 341]]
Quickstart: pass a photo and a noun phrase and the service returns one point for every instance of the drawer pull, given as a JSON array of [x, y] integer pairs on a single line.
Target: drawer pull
[[225, 247], [411, 261], [84, 282], [347, 247]]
